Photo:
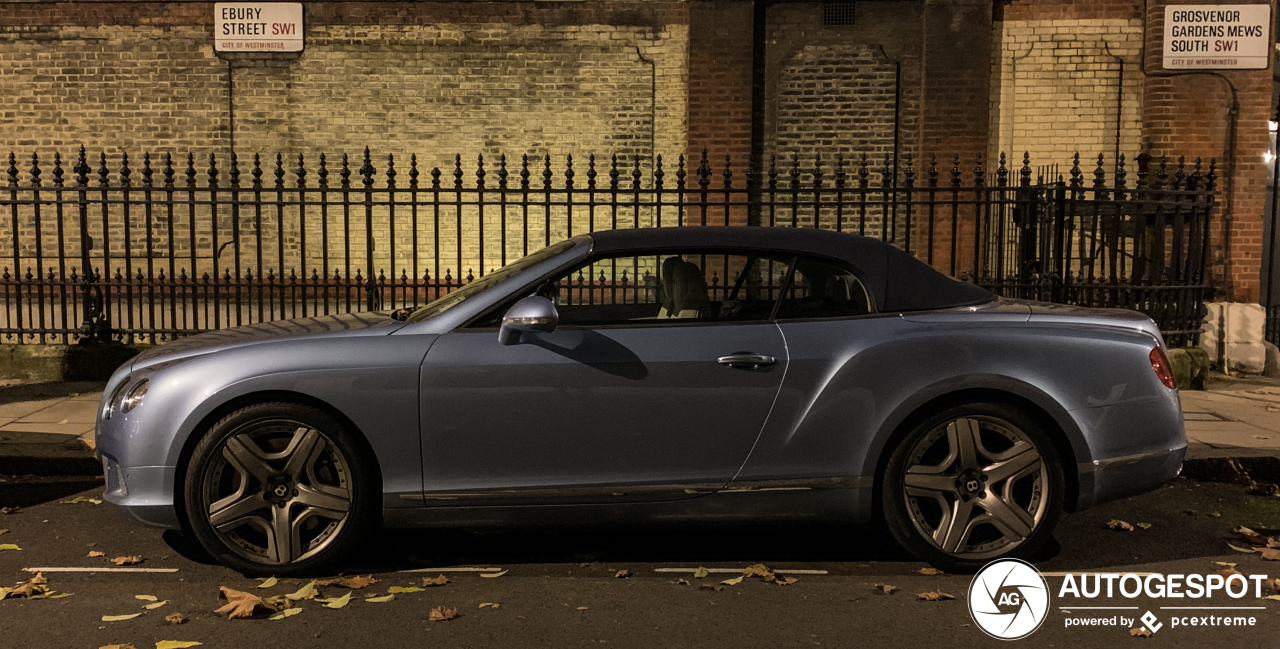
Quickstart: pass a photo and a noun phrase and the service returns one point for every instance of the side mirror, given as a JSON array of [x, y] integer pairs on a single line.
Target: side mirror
[[534, 314]]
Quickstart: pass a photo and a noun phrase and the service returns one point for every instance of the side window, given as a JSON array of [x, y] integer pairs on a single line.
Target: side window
[[668, 288], [823, 289]]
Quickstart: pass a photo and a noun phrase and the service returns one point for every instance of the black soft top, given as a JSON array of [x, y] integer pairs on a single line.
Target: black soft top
[[897, 280]]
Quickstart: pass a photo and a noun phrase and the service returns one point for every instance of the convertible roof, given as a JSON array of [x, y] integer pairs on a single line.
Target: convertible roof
[[899, 281]]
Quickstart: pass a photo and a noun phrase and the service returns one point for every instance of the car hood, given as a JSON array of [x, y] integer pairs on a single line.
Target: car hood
[[367, 323]]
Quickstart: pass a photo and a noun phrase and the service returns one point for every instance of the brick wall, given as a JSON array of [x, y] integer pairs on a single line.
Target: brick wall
[[720, 59]]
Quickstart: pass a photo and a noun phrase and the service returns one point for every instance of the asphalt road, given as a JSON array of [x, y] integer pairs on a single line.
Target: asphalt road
[[560, 590]]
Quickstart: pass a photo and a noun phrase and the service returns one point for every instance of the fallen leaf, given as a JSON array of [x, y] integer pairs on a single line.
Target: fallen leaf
[[404, 589], [97, 553], [335, 602], [288, 612], [4, 531], [1272, 597], [621, 574], [348, 582], [306, 592], [700, 573], [1227, 573], [9, 510], [886, 588], [442, 614], [176, 644], [379, 600], [1145, 526], [267, 583], [82, 499], [435, 581], [116, 646], [9, 546], [930, 571], [732, 582], [1215, 514], [934, 596], [1250, 536], [715, 587], [240, 604], [119, 618], [175, 618], [1141, 632], [757, 570], [1274, 584], [127, 561], [785, 581], [63, 421], [491, 575], [147, 598], [152, 607], [52, 595], [1271, 554], [683, 582], [1240, 549], [582, 608], [1226, 563], [31, 587], [488, 605], [1119, 525]]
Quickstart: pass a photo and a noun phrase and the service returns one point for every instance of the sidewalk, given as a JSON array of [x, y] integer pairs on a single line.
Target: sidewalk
[[48, 427]]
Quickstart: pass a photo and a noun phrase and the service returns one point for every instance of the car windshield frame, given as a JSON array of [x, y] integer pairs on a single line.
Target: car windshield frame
[[486, 282]]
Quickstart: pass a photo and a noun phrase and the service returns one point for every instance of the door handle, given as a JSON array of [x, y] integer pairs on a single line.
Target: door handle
[[746, 360]]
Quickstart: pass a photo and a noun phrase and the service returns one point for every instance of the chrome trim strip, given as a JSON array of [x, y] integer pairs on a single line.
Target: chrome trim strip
[[1101, 465], [806, 484]]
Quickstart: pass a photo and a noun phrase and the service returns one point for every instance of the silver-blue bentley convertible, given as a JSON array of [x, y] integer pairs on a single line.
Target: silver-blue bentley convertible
[[653, 374]]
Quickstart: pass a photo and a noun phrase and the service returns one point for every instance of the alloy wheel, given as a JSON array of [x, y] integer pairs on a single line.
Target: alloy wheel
[[277, 491], [976, 487]]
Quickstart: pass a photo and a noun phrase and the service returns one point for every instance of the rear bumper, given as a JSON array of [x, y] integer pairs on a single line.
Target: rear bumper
[[1115, 478], [1134, 448]]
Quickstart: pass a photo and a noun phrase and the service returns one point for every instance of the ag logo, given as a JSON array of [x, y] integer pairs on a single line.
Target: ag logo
[[1008, 599]]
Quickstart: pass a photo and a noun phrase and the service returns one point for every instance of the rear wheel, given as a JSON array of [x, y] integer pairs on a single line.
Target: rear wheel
[[971, 484], [279, 488]]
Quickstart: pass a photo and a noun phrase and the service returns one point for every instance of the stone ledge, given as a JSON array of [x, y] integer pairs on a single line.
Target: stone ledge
[[91, 362]]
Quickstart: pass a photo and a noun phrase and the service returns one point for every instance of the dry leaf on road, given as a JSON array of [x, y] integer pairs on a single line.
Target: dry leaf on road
[[683, 582], [288, 612], [622, 574], [434, 581], [488, 605], [241, 604], [1250, 535], [146, 598], [700, 573], [930, 571], [116, 646], [1119, 525], [442, 614], [176, 644], [335, 602], [119, 618], [784, 581], [131, 560], [715, 587], [82, 499], [9, 546], [97, 553], [152, 607], [732, 582], [934, 596], [1228, 573], [28, 588], [1141, 632], [404, 589], [267, 583], [757, 570], [175, 618], [491, 575], [379, 600], [1145, 526], [1271, 554], [306, 592], [348, 582], [886, 588], [1240, 549], [9, 510]]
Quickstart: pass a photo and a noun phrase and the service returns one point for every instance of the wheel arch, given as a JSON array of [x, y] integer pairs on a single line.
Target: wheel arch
[[1061, 430], [229, 406]]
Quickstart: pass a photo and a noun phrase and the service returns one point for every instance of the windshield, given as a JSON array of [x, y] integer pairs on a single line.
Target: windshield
[[482, 284]]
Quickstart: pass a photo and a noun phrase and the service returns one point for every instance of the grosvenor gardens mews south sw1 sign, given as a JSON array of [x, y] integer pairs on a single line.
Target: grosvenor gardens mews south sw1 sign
[[1217, 37]]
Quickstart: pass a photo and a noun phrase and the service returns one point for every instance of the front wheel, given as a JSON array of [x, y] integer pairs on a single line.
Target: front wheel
[[971, 484], [280, 489]]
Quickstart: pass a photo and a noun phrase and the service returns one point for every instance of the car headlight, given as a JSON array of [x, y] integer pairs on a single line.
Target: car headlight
[[133, 398], [114, 401]]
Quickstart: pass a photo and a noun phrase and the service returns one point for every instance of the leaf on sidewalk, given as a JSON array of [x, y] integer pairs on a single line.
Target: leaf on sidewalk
[[175, 618], [146, 598], [442, 614], [732, 582], [267, 583], [1228, 573], [131, 560], [1119, 525], [288, 612], [404, 589], [176, 644], [379, 600], [930, 571], [1226, 563], [152, 607], [701, 573], [306, 592], [492, 575], [241, 604], [97, 553], [82, 499], [435, 581], [9, 546], [934, 596], [119, 618], [335, 602]]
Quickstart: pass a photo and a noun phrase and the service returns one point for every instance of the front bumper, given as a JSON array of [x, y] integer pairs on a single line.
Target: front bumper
[[143, 495]]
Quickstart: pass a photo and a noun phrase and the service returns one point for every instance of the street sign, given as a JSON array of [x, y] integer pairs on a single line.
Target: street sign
[[257, 27], [1217, 37]]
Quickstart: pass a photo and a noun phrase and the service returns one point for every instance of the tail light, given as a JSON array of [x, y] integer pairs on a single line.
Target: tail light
[[1160, 363]]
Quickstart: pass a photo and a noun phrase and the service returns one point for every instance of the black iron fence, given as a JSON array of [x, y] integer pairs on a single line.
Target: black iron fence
[[176, 249]]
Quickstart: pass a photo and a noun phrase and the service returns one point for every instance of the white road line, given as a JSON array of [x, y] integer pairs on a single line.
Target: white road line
[[62, 569], [739, 571], [1213, 608], [1097, 608], [1103, 574], [465, 569]]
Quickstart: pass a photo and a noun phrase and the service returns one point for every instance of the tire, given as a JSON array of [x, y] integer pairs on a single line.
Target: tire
[[275, 471], [1008, 489]]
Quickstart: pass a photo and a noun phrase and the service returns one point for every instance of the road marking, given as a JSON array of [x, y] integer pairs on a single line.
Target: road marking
[[1213, 608], [1097, 608], [60, 569], [1102, 574], [464, 569], [739, 571]]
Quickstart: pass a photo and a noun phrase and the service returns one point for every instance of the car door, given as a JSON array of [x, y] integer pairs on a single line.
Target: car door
[[628, 399]]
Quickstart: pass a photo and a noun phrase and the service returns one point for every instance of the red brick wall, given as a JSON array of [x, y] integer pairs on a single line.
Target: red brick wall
[[1189, 115]]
